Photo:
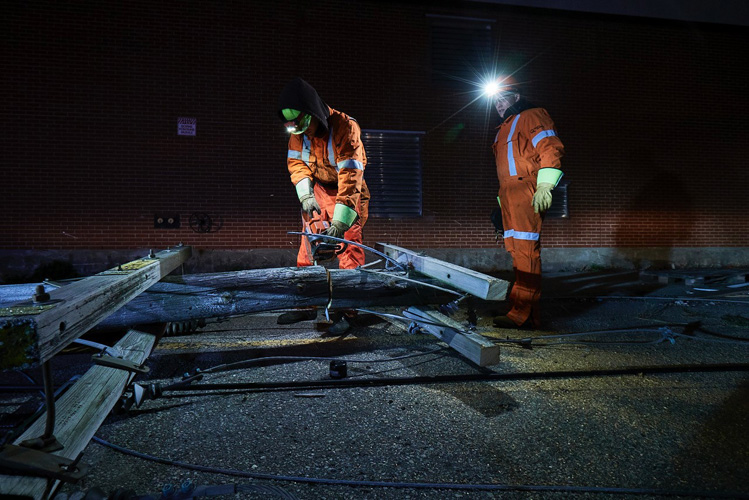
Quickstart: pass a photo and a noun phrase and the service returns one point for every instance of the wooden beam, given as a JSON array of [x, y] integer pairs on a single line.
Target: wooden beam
[[81, 410], [32, 332], [481, 285], [473, 346]]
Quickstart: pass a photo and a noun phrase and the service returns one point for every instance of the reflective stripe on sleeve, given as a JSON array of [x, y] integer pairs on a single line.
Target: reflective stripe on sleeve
[[543, 135], [355, 164], [305, 149], [294, 154], [520, 235], [331, 153], [510, 153]]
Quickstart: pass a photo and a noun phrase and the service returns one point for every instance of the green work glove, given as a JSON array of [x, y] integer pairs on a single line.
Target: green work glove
[[548, 178], [309, 204], [542, 198], [337, 229], [343, 218]]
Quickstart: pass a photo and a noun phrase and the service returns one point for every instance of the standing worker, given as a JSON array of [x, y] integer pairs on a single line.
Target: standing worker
[[326, 161], [527, 154]]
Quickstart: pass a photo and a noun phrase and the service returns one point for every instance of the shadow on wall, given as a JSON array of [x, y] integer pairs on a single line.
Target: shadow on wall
[[650, 213]]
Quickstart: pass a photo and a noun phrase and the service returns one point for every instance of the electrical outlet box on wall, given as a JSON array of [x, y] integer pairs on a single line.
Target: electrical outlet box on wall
[[166, 221]]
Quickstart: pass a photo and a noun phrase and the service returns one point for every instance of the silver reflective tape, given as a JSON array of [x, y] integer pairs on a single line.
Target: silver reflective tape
[[520, 235], [543, 135], [305, 149], [510, 149], [331, 153], [354, 164]]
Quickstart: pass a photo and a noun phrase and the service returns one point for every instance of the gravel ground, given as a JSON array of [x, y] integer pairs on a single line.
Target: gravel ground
[[636, 434]]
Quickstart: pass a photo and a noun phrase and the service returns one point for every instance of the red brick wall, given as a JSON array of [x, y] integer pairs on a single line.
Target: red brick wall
[[653, 115]]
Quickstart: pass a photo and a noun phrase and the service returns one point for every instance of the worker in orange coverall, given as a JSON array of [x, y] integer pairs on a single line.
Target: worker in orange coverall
[[326, 161], [527, 154]]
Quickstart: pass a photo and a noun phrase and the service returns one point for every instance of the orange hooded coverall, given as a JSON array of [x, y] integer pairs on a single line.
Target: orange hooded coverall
[[335, 162], [526, 142]]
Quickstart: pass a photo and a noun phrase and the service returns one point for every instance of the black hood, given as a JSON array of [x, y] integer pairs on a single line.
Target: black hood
[[301, 96], [518, 107]]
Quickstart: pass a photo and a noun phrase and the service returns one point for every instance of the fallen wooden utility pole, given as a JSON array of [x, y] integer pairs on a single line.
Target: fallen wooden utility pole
[[81, 410], [32, 332], [481, 285], [473, 346], [219, 295]]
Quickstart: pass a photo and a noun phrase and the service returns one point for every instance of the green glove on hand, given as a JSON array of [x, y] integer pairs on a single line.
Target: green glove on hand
[[542, 198], [336, 229], [309, 204]]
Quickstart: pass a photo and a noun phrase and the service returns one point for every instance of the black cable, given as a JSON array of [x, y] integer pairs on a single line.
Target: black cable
[[418, 485], [198, 375], [237, 364], [683, 299], [471, 377], [665, 333]]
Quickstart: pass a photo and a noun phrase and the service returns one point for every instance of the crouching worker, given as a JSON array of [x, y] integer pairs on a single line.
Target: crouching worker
[[326, 161]]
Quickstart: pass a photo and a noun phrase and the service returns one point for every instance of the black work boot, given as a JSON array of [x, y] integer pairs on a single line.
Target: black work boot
[[292, 317], [338, 328], [506, 322]]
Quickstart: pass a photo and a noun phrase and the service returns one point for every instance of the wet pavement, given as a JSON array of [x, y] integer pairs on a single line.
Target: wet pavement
[[636, 387]]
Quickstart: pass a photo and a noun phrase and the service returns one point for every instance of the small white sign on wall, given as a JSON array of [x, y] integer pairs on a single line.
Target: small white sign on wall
[[186, 126]]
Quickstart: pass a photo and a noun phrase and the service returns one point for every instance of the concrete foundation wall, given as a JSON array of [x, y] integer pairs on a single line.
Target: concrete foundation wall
[[27, 266], [578, 259]]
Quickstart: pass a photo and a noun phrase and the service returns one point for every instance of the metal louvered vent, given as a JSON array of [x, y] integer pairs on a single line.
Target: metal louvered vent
[[393, 172], [461, 49], [559, 207]]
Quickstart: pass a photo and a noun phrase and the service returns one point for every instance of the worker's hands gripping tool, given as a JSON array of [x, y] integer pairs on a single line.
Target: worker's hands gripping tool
[[319, 248]]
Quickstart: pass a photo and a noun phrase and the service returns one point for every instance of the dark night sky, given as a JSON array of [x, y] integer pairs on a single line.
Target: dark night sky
[[735, 12]]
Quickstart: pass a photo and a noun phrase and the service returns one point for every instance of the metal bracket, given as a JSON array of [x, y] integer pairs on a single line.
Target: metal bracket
[[46, 444], [121, 364], [28, 462]]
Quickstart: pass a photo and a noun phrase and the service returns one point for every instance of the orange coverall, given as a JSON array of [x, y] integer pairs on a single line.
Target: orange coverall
[[335, 163], [525, 143]]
